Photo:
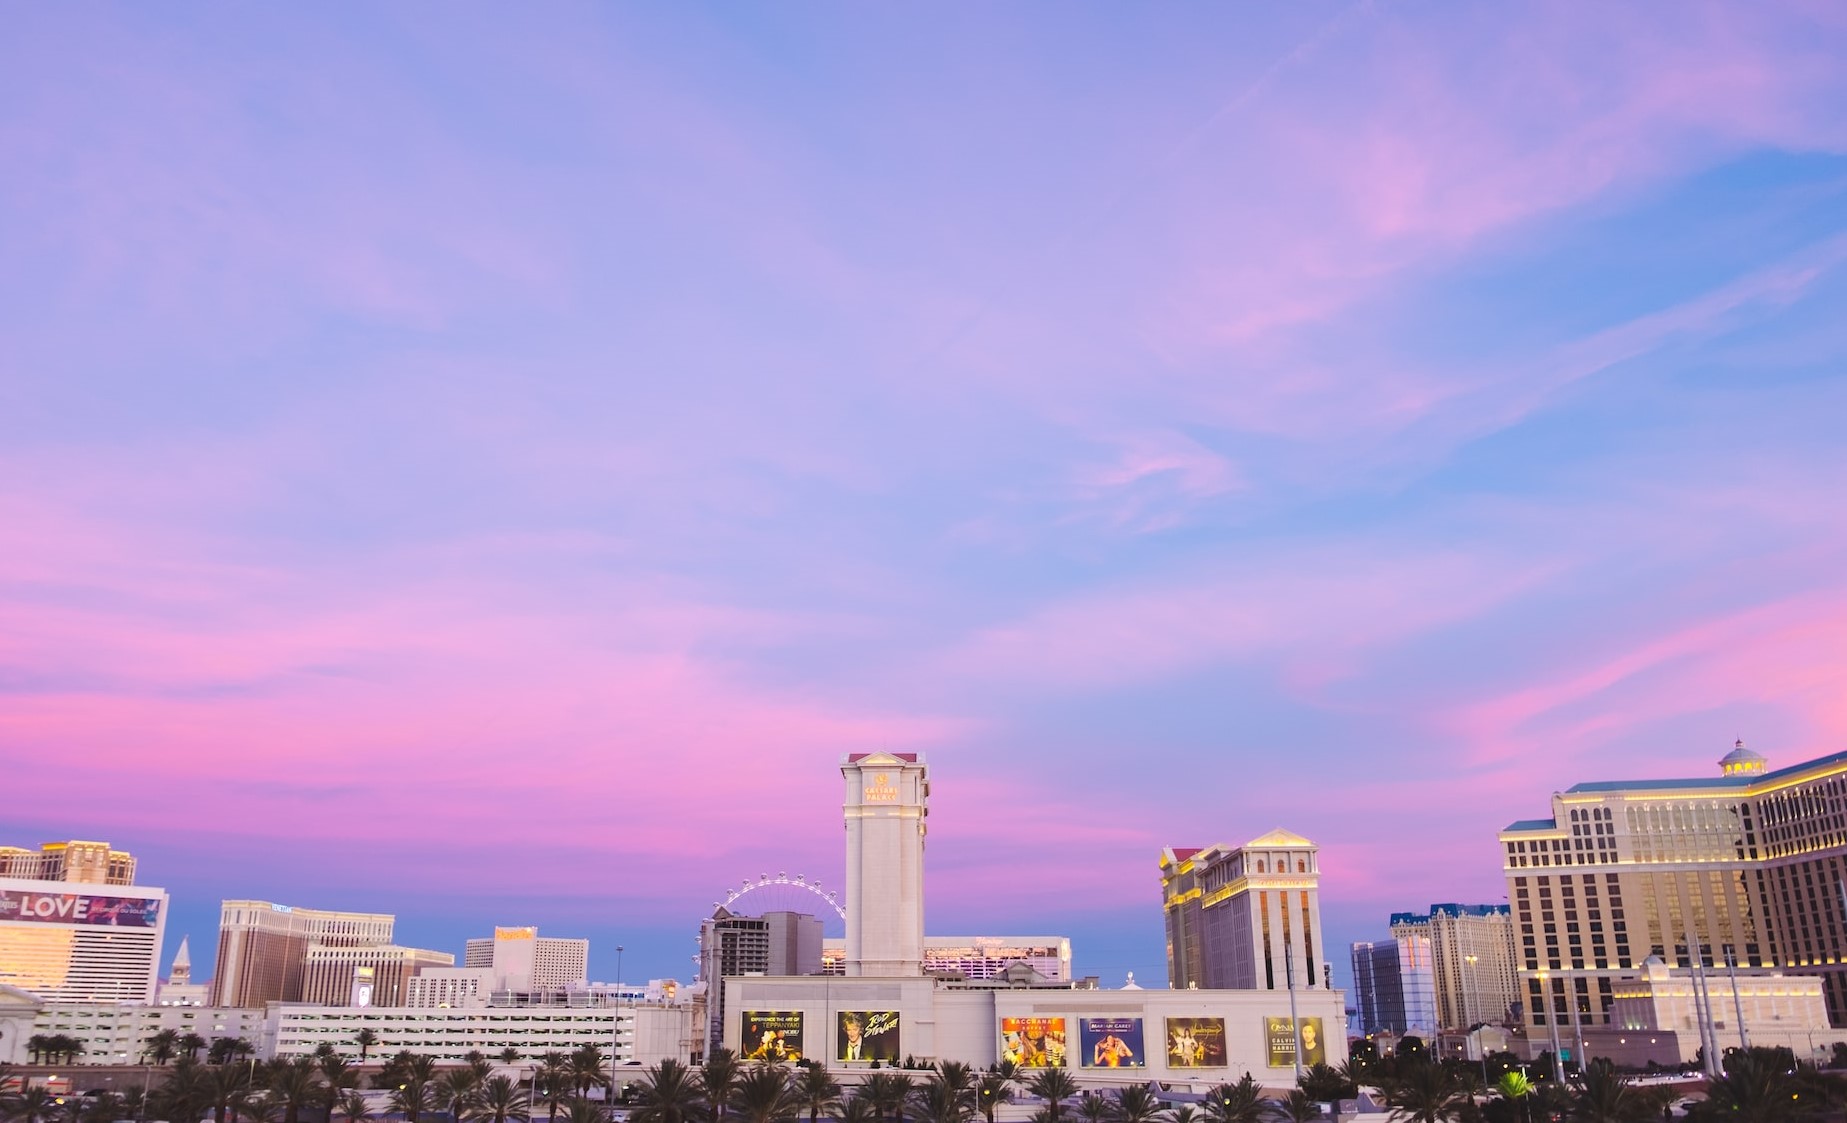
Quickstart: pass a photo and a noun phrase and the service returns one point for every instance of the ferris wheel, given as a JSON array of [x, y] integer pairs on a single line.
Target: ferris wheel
[[785, 892]]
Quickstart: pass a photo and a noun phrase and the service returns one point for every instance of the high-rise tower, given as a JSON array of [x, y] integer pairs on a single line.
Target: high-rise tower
[[887, 797]]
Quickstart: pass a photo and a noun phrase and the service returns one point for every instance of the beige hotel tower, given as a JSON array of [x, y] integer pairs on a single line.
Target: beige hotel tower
[[887, 798]]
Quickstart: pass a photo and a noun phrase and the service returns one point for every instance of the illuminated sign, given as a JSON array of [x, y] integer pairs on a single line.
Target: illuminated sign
[[771, 1035], [1280, 1035], [866, 1035], [79, 908], [1033, 1042], [881, 790], [1111, 1043], [516, 933], [1196, 1043]]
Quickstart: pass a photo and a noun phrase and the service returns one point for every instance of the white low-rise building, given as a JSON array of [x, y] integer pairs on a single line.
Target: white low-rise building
[[639, 1033], [117, 1034]]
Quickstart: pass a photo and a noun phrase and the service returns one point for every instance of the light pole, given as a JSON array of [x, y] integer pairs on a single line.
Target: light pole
[[1545, 993], [615, 1045]]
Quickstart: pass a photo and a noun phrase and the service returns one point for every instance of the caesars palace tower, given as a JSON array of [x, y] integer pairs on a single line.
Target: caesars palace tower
[[887, 796]]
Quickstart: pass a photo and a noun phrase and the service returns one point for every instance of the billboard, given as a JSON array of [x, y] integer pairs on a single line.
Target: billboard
[[1111, 1043], [771, 1035], [1033, 1042], [866, 1035], [1279, 1034], [79, 908], [1196, 1043]]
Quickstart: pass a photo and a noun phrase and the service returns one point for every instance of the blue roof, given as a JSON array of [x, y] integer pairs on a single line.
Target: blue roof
[[1448, 909], [1533, 825], [1746, 781]]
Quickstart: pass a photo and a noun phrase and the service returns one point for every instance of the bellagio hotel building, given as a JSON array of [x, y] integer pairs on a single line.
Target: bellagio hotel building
[[1746, 868]]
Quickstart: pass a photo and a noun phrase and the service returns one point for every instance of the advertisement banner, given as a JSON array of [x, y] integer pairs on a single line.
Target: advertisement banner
[[1196, 1043], [866, 1035], [1033, 1042], [1111, 1043], [771, 1035], [1280, 1035], [79, 908]]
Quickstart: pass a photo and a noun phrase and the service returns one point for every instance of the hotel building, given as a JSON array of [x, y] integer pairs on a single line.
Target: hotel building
[[1394, 988], [1475, 969], [1748, 866], [376, 975], [88, 863], [1244, 918], [263, 948], [522, 960], [61, 941]]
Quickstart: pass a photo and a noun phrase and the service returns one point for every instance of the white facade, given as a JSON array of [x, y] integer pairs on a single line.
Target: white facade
[[975, 957], [887, 798], [71, 942], [1235, 1031], [638, 1033], [454, 987], [115, 1034]]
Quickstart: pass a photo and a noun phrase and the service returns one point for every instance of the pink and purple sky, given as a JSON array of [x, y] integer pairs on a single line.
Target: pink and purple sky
[[489, 465]]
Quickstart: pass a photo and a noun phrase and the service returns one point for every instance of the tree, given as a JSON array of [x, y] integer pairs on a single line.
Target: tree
[[991, 1091], [1424, 1092], [1185, 1113], [716, 1076], [669, 1093], [581, 1109], [509, 1055], [34, 1105], [761, 1094], [1324, 1082], [1604, 1097], [228, 1050], [190, 1044], [338, 1077], [295, 1085], [1136, 1104], [226, 1087], [1296, 1107], [162, 1046], [411, 1099], [365, 1039], [501, 1100], [938, 1100], [186, 1093], [1092, 1107], [1054, 1086], [554, 1080], [586, 1068], [817, 1091], [857, 1109], [1235, 1103], [886, 1092], [455, 1091], [353, 1105]]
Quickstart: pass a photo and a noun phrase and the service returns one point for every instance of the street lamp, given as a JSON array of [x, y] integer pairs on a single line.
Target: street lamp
[[1545, 993]]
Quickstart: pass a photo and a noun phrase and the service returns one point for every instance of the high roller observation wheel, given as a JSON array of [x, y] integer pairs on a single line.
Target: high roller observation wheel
[[765, 881]]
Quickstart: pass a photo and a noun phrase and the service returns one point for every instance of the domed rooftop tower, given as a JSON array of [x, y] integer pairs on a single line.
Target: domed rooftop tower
[[1742, 762]]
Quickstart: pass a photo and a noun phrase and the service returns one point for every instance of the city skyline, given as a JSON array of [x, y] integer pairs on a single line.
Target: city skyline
[[487, 470]]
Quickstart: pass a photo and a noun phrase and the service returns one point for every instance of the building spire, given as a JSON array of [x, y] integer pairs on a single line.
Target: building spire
[[182, 965]]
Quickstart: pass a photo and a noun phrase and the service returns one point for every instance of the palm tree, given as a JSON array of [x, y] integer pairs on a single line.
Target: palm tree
[[1054, 1086], [1235, 1103], [1753, 1090], [991, 1091], [501, 1100], [583, 1110], [817, 1091], [185, 1094], [762, 1094], [1092, 1107], [716, 1076], [1604, 1097], [885, 1093], [106, 1108], [161, 1047], [509, 1055], [1185, 1113], [353, 1105], [586, 1066], [1296, 1107], [1424, 1092], [294, 1085], [35, 1105], [225, 1087], [1136, 1104], [455, 1091], [339, 1077], [940, 1101], [668, 1093], [365, 1039], [191, 1043], [554, 1080], [412, 1098], [1516, 1089]]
